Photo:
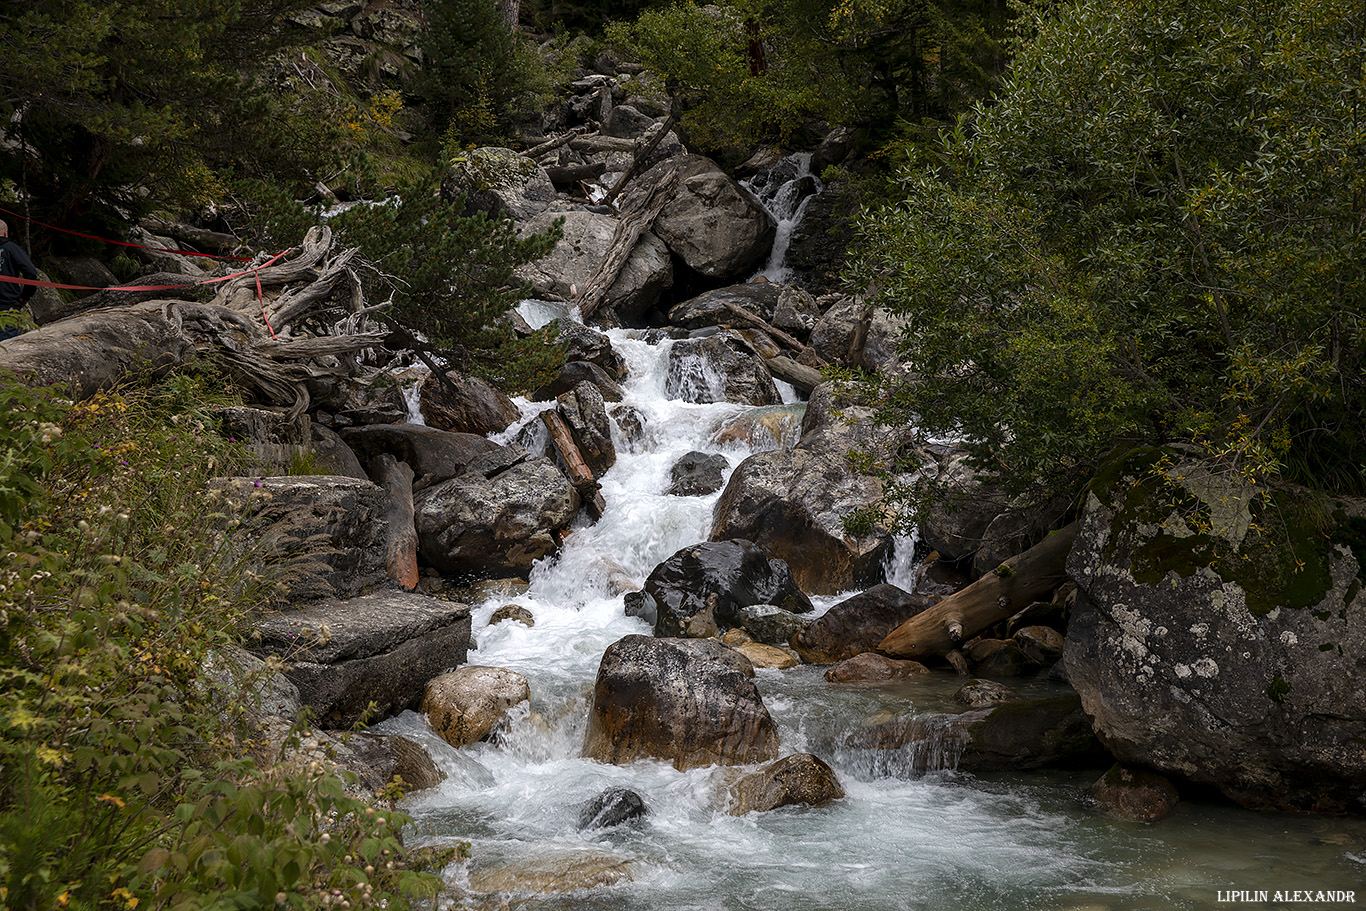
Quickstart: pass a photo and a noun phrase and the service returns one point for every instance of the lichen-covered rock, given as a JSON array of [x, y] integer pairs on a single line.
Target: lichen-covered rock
[[687, 701], [759, 429], [857, 624], [500, 182], [317, 536], [494, 524], [466, 705], [770, 624], [721, 367], [1134, 794], [1221, 637], [799, 779], [703, 587], [380, 648]]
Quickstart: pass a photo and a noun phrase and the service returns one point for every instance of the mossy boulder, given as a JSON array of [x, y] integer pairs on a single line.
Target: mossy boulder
[[1219, 631]]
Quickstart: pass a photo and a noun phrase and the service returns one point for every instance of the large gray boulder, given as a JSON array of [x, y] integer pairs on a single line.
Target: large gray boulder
[[721, 367], [585, 414], [688, 701], [501, 183], [709, 308], [712, 223], [465, 404], [315, 536], [381, 648], [586, 243], [435, 455], [495, 523], [1221, 644], [702, 588]]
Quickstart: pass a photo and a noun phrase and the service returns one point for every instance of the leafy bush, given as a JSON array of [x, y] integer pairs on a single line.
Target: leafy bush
[[121, 777]]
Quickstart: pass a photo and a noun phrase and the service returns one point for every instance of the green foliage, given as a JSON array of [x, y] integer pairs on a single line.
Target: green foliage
[[477, 75], [121, 782], [1153, 234]]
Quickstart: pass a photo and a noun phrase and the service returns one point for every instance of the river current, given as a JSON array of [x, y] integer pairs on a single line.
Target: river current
[[895, 841]]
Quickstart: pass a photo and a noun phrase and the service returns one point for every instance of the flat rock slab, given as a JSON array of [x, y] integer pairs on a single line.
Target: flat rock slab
[[381, 648]]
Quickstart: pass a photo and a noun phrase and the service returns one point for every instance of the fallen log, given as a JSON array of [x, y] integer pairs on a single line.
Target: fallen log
[[216, 241], [400, 538], [642, 155], [580, 475], [803, 378], [572, 174], [994, 597], [554, 143], [633, 223], [756, 321]]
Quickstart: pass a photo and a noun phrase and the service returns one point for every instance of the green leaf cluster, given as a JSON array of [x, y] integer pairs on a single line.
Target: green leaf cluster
[[1152, 234], [123, 782]]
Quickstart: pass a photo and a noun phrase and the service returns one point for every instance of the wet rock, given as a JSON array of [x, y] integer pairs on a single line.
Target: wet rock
[[380, 648], [1000, 658], [713, 224], [316, 536], [631, 423], [583, 344], [719, 368], [586, 243], [769, 656], [480, 525], [1134, 794], [1052, 732], [575, 372], [979, 694], [697, 474], [500, 182], [703, 587], [687, 701], [1041, 645], [586, 416], [770, 624], [549, 873], [871, 667], [710, 308], [792, 503], [434, 455], [800, 779], [613, 807], [513, 612], [471, 406], [775, 427], [858, 624], [466, 705], [1230, 657]]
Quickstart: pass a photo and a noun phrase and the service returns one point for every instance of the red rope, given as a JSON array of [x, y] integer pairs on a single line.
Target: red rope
[[124, 243]]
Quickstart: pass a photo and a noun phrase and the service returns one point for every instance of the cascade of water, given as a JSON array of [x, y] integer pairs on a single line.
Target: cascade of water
[[785, 190]]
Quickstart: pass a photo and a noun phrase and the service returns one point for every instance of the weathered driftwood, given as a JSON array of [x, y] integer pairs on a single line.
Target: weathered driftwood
[[642, 155], [580, 475], [554, 143], [633, 223], [994, 597], [756, 321], [400, 540], [803, 378], [215, 241], [572, 174]]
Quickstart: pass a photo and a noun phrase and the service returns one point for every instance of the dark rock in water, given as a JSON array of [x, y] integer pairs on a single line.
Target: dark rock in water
[[631, 423], [870, 667], [1232, 656], [978, 694], [584, 412], [320, 536], [1036, 733], [799, 779], [1000, 658], [1041, 613], [380, 648], [471, 406], [1134, 794], [858, 624], [697, 474], [1041, 644], [689, 701], [612, 807], [584, 344], [769, 624], [575, 372], [639, 604], [719, 368], [703, 587], [500, 524], [709, 309]]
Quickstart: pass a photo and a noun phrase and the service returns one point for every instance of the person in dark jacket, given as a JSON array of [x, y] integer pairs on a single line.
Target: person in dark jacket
[[14, 262]]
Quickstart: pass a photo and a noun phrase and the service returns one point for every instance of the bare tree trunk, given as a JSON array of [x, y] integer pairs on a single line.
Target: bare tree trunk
[[994, 597], [400, 540]]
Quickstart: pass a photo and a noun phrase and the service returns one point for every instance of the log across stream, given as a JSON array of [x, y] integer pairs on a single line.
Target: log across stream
[[942, 840]]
